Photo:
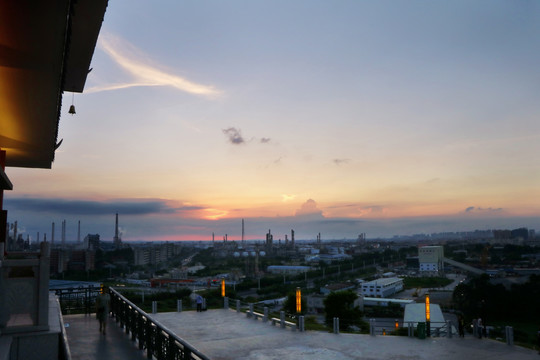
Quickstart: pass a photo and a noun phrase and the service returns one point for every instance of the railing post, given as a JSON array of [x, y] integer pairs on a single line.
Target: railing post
[[282, 318], [372, 327], [135, 322], [250, 312], [225, 302], [237, 305], [187, 354], [141, 329], [179, 305], [300, 323], [154, 307], [509, 335], [336, 325], [149, 339], [449, 328], [265, 318]]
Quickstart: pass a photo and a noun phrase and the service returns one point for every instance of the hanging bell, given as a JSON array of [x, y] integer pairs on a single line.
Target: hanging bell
[[72, 110]]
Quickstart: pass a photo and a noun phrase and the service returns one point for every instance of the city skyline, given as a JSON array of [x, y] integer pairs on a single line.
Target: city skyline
[[342, 118]]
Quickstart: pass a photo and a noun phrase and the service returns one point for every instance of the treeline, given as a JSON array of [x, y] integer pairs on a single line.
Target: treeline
[[495, 303]]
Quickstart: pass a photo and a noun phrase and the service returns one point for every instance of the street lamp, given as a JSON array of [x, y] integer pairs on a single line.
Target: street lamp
[[428, 316], [298, 301]]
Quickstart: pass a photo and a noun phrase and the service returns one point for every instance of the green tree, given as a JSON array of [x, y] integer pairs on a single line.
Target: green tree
[[341, 305]]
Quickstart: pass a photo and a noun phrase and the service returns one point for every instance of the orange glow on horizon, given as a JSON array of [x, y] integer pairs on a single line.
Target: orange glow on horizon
[[215, 214]]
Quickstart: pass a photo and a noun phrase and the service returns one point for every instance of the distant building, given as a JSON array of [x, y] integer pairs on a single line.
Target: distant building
[[82, 260], [92, 242], [315, 304], [431, 260], [58, 261], [327, 289], [287, 269], [370, 301], [382, 288]]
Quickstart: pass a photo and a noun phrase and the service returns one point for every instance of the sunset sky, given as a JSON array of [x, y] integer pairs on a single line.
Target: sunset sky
[[338, 117]]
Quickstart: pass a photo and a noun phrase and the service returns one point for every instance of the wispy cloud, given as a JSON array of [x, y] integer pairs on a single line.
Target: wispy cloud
[[473, 209], [287, 197], [341, 161], [143, 72], [234, 135], [89, 207]]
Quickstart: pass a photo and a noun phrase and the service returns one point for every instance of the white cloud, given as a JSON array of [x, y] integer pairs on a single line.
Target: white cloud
[[143, 73]]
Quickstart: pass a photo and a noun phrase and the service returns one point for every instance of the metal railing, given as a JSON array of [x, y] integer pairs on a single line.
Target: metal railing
[[156, 339], [77, 300], [64, 352]]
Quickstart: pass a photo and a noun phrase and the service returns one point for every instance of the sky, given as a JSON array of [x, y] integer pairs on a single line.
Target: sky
[[332, 117]]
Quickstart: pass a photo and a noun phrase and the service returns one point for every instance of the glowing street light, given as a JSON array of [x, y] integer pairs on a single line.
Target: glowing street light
[[428, 313], [298, 300], [428, 316], [222, 287]]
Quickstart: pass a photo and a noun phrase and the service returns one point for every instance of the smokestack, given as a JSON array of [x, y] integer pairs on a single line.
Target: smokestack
[[117, 240], [52, 235], [63, 234], [242, 231], [79, 233], [116, 228]]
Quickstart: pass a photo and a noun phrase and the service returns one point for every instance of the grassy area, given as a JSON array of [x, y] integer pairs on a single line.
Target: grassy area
[[310, 323], [524, 333]]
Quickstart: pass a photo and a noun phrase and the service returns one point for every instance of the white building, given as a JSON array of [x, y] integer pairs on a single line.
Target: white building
[[431, 259], [382, 288]]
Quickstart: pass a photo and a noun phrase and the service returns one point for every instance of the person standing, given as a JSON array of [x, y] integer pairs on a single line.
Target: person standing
[[199, 303], [102, 308], [480, 327], [461, 326]]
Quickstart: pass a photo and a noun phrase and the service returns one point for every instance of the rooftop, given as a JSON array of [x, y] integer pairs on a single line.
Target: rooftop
[[225, 334]]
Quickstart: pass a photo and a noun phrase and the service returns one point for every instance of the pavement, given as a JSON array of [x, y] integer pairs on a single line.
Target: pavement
[[86, 343], [226, 334]]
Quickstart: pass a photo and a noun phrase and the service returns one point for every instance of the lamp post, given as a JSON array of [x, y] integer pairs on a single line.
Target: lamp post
[[298, 300], [222, 287], [428, 316]]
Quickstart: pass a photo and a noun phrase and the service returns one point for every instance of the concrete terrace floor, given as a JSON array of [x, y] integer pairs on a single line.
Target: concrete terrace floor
[[86, 343], [225, 334]]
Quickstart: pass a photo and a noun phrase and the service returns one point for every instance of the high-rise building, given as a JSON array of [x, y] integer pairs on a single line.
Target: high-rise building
[[431, 259]]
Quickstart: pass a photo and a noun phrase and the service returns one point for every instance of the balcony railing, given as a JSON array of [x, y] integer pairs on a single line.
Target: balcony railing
[[156, 339]]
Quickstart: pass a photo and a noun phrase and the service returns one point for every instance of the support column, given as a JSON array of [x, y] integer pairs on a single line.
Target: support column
[[5, 184]]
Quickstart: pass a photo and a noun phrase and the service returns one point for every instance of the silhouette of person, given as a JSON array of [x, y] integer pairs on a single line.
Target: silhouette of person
[[199, 303], [102, 309], [461, 326]]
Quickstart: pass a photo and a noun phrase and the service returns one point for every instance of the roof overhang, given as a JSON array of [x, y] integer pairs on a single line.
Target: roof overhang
[[45, 49]]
